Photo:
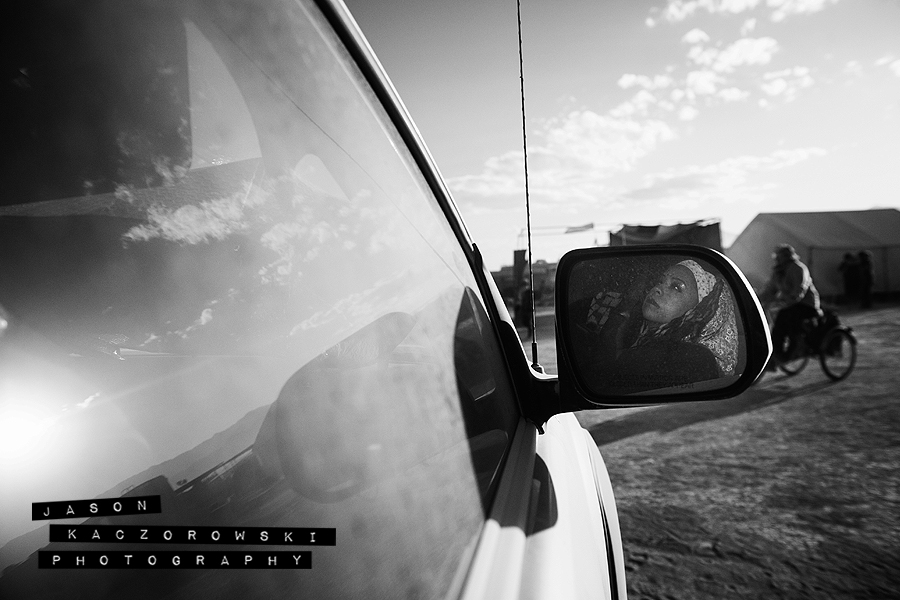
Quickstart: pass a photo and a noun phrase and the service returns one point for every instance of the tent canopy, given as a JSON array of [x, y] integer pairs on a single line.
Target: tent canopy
[[821, 239], [701, 233]]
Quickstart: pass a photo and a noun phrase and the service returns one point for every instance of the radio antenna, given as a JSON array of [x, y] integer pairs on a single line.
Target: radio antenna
[[534, 351]]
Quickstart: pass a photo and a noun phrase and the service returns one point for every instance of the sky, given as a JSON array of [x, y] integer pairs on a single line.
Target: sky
[[646, 112]]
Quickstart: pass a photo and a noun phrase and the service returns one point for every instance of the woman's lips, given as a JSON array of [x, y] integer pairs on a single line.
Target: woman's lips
[[651, 301]]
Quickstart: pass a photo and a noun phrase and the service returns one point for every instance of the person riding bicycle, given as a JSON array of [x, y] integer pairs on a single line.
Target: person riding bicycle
[[790, 291]]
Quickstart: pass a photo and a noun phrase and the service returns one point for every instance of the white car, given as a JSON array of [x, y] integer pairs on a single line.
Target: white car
[[248, 350]]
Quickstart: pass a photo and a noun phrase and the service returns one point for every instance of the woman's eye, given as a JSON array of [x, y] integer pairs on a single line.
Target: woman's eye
[[678, 286]]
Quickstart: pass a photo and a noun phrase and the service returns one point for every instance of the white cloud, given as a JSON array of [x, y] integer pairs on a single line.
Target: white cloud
[[704, 83], [639, 105], [701, 82], [666, 105], [737, 6], [853, 68], [774, 87], [695, 36], [746, 51], [688, 113], [630, 80], [502, 176], [727, 180], [795, 72], [571, 157], [195, 224], [785, 8], [679, 10], [205, 317], [643, 99], [892, 63], [603, 142], [732, 94], [703, 56], [748, 27], [787, 158], [787, 82]]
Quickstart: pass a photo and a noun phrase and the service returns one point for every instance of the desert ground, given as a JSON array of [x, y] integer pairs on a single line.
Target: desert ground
[[790, 490]]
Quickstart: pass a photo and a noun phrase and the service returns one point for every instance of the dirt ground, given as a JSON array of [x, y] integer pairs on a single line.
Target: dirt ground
[[791, 490]]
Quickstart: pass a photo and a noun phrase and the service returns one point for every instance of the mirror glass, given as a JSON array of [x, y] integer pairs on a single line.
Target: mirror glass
[[651, 324]]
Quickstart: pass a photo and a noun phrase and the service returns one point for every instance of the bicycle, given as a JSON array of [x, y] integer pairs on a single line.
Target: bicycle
[[834, 344]]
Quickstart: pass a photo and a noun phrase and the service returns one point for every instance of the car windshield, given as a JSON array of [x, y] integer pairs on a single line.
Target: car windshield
[[224, 282]]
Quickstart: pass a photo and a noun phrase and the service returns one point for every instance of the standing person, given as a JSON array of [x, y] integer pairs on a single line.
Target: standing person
[[849, 269], [791, 292], [525, 310], [866, 279]]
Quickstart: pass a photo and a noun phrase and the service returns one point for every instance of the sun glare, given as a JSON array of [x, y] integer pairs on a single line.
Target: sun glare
[[25, 436]]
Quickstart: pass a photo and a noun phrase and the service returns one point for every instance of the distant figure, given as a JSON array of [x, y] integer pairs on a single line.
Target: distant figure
[[849, 269], [791, 292], [525, 310], [866, 279]]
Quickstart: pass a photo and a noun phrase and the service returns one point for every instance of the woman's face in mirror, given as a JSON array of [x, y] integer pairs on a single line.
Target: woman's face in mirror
[[672, 296]]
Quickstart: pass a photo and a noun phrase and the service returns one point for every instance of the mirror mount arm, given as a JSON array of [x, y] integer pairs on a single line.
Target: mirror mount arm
[[538, 393], [543, 399]]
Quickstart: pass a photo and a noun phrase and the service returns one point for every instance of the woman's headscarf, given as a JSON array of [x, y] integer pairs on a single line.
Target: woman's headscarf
[[711, 323]]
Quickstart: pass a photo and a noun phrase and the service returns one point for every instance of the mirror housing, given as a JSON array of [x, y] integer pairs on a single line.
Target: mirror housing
[[654, 324]]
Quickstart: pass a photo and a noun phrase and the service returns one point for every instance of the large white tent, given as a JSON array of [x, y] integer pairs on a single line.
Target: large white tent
[[821, 239]]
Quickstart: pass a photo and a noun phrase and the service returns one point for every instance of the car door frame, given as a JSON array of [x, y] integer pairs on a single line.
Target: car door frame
[[507, 553]]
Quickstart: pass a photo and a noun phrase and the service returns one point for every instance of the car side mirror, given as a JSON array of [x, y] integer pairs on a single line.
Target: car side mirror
[[653, 324]]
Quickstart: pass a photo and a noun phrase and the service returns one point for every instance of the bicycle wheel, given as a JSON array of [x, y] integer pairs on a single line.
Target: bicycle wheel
[[838, 353], [798, 352], [794, 365]]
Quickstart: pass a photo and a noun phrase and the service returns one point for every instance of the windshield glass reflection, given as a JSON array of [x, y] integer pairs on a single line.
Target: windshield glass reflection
[[224, 281]]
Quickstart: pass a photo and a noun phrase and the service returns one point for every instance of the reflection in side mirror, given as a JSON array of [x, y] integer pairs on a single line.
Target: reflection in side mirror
[[678, 321]]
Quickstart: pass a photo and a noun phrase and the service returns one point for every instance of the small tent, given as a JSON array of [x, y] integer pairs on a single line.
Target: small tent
[[821, 239], [702, 233]]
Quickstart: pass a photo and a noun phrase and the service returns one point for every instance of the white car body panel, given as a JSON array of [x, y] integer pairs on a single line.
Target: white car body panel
[[570, 558]]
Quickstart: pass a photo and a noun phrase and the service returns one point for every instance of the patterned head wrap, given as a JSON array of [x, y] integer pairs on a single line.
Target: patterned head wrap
[[705, 280], [719, 334]]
